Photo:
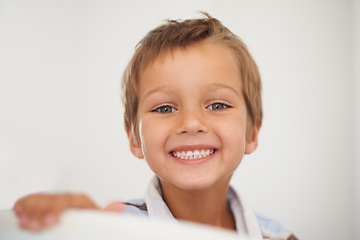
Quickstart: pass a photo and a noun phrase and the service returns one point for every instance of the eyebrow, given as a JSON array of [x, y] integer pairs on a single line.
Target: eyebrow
[[155, 90], [210, 87], [215, 86]]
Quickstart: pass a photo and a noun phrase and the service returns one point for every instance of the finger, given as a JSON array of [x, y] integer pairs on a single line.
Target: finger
[[29, 224], [23, 222], [34, 225], [17, 208], [37, 212], [115, 207], [50, 218]]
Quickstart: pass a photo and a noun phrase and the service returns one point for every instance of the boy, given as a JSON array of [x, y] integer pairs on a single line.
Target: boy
[[192, 98]]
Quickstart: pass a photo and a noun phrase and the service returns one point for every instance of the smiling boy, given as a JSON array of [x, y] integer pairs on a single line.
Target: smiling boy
[[192, 97]]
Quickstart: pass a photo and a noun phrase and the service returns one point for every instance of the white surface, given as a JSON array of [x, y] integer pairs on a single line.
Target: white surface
[[61, 119], [356, 90], [100, 225]]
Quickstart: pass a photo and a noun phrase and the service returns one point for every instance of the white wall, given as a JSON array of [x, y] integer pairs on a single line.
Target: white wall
[[61, 117], [356, 90]]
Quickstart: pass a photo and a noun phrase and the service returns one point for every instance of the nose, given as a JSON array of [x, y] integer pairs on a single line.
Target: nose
[[191, 121]]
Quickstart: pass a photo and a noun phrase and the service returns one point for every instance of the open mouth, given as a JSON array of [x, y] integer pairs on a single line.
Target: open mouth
[[196, 154]]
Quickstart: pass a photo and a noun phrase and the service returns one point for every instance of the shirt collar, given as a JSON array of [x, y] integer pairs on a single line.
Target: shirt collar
[[245, 218]]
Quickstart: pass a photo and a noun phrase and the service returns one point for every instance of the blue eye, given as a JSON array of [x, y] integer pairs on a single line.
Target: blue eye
[[165, 109], [218, 106]]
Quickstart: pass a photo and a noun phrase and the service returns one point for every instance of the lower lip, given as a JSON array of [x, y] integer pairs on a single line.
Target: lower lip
[[193, 161]]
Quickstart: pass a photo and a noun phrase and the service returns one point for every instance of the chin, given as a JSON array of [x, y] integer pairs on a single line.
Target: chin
[[193, 184]]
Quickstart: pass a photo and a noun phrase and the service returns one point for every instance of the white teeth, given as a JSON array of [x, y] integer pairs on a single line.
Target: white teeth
[[193, 154]]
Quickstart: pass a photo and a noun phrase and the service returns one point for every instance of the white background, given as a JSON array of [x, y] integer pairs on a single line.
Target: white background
[[61, 123]]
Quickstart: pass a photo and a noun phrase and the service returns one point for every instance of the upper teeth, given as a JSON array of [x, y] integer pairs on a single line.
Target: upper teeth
[[193, 154]]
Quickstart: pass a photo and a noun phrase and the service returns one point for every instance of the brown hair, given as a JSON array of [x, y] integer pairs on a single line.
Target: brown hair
[[182, 34]]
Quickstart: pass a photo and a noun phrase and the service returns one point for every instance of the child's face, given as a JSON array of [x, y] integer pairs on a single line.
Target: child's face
[[192, 117]]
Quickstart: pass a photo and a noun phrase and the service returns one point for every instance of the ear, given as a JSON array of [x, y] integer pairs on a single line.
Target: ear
[[252, 142], [135, 147]]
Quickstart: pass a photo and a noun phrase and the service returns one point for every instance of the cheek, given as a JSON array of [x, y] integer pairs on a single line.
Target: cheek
[[234, 151], [233, 135], [145, 133], [152, 136]]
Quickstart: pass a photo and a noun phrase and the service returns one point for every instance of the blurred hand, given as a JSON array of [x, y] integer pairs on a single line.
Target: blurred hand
[[115, 207], [38, 211]]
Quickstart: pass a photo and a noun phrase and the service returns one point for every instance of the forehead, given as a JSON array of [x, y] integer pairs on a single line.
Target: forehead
[[208, 62]]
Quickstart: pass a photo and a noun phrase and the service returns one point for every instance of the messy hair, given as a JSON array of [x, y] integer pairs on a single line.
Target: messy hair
[[176, 34]]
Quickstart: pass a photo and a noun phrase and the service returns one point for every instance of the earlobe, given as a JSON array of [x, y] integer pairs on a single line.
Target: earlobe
[[252, 143], [135, 147]]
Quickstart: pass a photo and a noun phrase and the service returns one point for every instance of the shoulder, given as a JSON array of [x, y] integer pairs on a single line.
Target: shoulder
[[271, 229], [256, 224]]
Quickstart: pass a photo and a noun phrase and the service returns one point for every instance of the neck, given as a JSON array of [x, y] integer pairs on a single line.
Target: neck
[[207, 206]]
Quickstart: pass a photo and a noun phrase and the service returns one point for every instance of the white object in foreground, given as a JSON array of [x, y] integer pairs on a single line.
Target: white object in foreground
[[80, 224]]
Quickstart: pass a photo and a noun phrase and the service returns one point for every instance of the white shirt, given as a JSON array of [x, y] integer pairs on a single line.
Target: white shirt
[[247, 222], [245, 219]]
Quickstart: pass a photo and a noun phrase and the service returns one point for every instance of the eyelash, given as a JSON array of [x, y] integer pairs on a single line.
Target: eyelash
[[159, 109], [214, 107], [217, 105]]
